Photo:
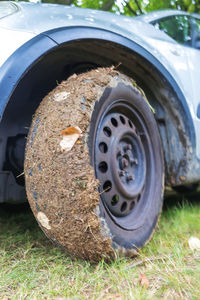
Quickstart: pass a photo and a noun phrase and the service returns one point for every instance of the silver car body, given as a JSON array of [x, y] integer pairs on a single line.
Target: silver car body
[[181, 61], [24, 21]]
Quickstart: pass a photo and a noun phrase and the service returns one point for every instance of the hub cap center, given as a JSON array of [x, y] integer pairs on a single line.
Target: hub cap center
[[120, 163]]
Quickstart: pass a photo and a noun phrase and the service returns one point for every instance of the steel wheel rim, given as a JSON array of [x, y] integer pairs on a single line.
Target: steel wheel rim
[[123, 157]]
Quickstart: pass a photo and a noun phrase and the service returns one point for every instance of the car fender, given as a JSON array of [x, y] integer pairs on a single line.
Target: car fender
[[16, 66], [24, 58]]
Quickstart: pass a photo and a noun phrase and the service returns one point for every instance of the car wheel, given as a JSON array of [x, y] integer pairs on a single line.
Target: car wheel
[[99, 191]]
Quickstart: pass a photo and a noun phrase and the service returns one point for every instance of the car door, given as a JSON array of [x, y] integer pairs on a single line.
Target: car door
[[185, 30], [194, 62], [178, 28], [193, 55]]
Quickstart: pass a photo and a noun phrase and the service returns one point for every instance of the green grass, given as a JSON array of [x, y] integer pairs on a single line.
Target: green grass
[[32, 268]]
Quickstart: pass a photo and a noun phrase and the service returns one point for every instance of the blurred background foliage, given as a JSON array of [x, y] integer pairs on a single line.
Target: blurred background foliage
[[131, 7]]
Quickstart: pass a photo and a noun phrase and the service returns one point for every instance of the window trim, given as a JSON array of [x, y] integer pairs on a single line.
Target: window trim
[[175, 15]]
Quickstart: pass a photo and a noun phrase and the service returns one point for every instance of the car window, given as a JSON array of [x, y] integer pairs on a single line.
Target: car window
[[7, 9], [177, 27], [198, 24], [195, 25]]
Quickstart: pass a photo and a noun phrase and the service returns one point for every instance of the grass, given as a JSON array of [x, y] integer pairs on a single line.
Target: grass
[[32, 268]]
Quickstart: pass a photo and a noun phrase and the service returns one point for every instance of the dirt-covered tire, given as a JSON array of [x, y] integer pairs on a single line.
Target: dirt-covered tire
[[119, 145]]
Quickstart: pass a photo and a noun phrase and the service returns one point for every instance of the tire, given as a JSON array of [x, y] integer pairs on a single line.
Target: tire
[[120, 146]]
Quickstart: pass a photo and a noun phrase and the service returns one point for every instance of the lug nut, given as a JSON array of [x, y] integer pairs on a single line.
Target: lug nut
[[127, 147], [121, 173], [130, 178], [134, 161], [124, 163]]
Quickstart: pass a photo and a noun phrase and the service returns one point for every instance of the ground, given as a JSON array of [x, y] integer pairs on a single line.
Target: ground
[[33, 268]]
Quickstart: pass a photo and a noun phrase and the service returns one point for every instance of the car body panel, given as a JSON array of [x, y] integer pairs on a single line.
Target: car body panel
[[186, 71], [52, 16], [53, 25], [193, 58], [12, 40], [7, 9]]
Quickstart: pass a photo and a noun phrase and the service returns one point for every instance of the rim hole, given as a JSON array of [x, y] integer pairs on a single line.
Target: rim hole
[[114, 122], [132, 205], [115, 200], [123, 207], [138, 199], [107, 131], [130, 123], [103, 147], [103, 167], [107, 186], [122, 120]]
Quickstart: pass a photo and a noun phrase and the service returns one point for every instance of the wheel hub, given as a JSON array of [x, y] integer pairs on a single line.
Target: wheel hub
[[120, 162]]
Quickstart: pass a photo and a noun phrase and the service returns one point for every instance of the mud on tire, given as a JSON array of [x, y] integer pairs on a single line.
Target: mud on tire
[[104, 196]]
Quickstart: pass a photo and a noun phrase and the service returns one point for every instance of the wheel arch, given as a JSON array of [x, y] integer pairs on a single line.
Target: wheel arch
[[36, 67]]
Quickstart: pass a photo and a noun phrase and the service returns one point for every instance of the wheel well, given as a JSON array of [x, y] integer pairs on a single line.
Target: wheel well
[[79, 56]]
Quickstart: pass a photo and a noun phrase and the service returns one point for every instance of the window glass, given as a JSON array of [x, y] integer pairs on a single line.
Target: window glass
[[195, 25], [6, 9], [177, 27], [198, 24]]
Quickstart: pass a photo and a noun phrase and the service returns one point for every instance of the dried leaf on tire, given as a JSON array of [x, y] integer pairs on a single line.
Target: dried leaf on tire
[[61, 96], [194, 243], [70, 136], [44, 221], [144, 281]]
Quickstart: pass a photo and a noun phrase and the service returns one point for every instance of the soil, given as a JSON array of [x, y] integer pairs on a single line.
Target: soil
[[61, 185]]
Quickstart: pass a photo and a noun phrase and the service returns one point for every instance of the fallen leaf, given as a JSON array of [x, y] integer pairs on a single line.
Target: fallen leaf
[[144, 281], [194, 243], [44, 221], [60, 96], [70, 136], [71, 130]]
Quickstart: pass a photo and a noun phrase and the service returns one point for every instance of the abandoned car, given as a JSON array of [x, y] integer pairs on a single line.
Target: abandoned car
[[99, 113]]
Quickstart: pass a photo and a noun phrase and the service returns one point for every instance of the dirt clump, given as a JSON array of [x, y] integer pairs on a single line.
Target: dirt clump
[[61, 185]]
